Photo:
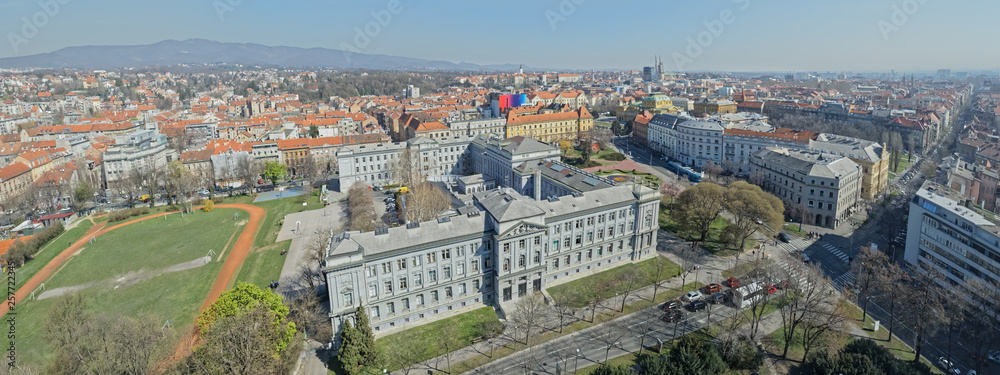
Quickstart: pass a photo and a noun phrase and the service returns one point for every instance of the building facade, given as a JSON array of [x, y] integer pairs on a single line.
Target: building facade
[[507, 247], [139, 150], [947, 233], [829, 185]]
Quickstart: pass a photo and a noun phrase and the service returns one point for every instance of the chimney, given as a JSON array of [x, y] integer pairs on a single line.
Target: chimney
[[537, 179]]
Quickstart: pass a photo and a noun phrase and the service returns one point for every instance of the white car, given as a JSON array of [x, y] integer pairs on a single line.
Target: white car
[[994, 357], [948, 366], [693, 295]]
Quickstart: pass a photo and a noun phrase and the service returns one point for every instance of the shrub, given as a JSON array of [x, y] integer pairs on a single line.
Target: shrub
[[218, 200], [22, 251], [209, 206], [127, 213], [197, 202], [615, 156]]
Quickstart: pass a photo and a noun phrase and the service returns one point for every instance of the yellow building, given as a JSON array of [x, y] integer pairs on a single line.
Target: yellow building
[[656, 104], [706, 106], [550, 127], [871, 156]]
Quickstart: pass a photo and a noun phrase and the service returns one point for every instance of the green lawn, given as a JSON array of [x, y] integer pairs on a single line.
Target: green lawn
[[794, 228], [602, 124], [174, 296], [904, 162], [263, 265], [743, 268], [50, 251], [897, 347], [428, 336], [646, 177], [711, 242], [151, 244], [613, 280]]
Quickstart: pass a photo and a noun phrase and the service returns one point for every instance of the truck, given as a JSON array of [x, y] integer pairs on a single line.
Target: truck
[[747, 294]]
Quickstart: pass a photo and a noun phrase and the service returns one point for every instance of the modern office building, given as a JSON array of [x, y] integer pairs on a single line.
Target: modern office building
[[948, 233], [506, 246], [829, 185]]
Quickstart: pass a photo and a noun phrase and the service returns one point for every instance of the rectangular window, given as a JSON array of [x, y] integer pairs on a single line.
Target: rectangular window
[[406, 303], [475, 265], [506, 264], [386, 267], [460, 269], [401, 264], [372, 289], [447, 292], [475, 284], [431, 257], [432, 276], [446, 254], [416, 261], [376, 313], [348, 299], [402, 283], [447, 272], [417, 280], [370, 271], [461, 288], [391, 307], [434, 296], [388, 286], [506, 248], [420, 300]]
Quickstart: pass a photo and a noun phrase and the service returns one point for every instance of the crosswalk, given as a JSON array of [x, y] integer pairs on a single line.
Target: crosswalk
[[836, 252], [845, 279], [795, 274]]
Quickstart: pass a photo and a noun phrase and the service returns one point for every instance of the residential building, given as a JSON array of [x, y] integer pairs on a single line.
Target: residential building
[[139, 150], [374, 164], [949, 234], [871, 156], [829, 185], [493, 127], [15, 178], [740, 144], [699, 142]]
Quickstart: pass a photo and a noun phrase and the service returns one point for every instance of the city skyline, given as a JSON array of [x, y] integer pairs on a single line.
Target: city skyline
[[736, 35]]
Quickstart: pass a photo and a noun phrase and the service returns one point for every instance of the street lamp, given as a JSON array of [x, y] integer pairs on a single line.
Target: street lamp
[[576, 362]]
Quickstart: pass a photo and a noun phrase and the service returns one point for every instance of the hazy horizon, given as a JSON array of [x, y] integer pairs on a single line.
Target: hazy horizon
[[730, 35]]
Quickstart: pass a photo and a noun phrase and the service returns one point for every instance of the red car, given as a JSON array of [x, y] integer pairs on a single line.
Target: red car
[[731, 282], [771, 289], [712, 288]]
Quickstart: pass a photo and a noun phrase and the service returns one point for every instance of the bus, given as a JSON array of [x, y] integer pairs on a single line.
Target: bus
[[683, 171]]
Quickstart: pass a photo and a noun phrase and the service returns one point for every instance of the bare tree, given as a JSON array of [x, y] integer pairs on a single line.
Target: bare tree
[[976, 317], [562, 307], [866, 271], [241, 344], [425, 202], [646, 325], [248, 170], [596, 296], [610, 334], [449, 333], [809, 298], [891, 282], [923, 305], [305, 309], [529, 314], [360, 208], [828, 316], [407, 170], [631, 280], [405, 356]]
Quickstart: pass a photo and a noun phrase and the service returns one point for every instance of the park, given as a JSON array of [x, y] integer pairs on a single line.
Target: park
[[165, 264]]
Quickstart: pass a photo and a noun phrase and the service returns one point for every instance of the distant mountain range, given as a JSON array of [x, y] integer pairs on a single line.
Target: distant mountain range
[[207, 52]]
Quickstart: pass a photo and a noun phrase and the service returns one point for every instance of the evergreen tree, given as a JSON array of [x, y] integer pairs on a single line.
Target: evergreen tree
[[616, 128], [366, 339], [349, 354], [606, 369]]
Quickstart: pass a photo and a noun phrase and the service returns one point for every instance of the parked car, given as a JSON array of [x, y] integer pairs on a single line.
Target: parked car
[[697, 305], [693, 295], [783, 284], [672, 316], [771, 289], [805, 258], [712, 288], [720, 298], [731, 282], [670, 305], [784, 238], [994, 357]]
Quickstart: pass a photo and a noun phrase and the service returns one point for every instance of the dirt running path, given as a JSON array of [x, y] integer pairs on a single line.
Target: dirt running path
[[236, 256], [53, 265]]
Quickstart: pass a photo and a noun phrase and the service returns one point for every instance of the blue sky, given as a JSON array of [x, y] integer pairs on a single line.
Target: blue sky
[[775, 35]]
